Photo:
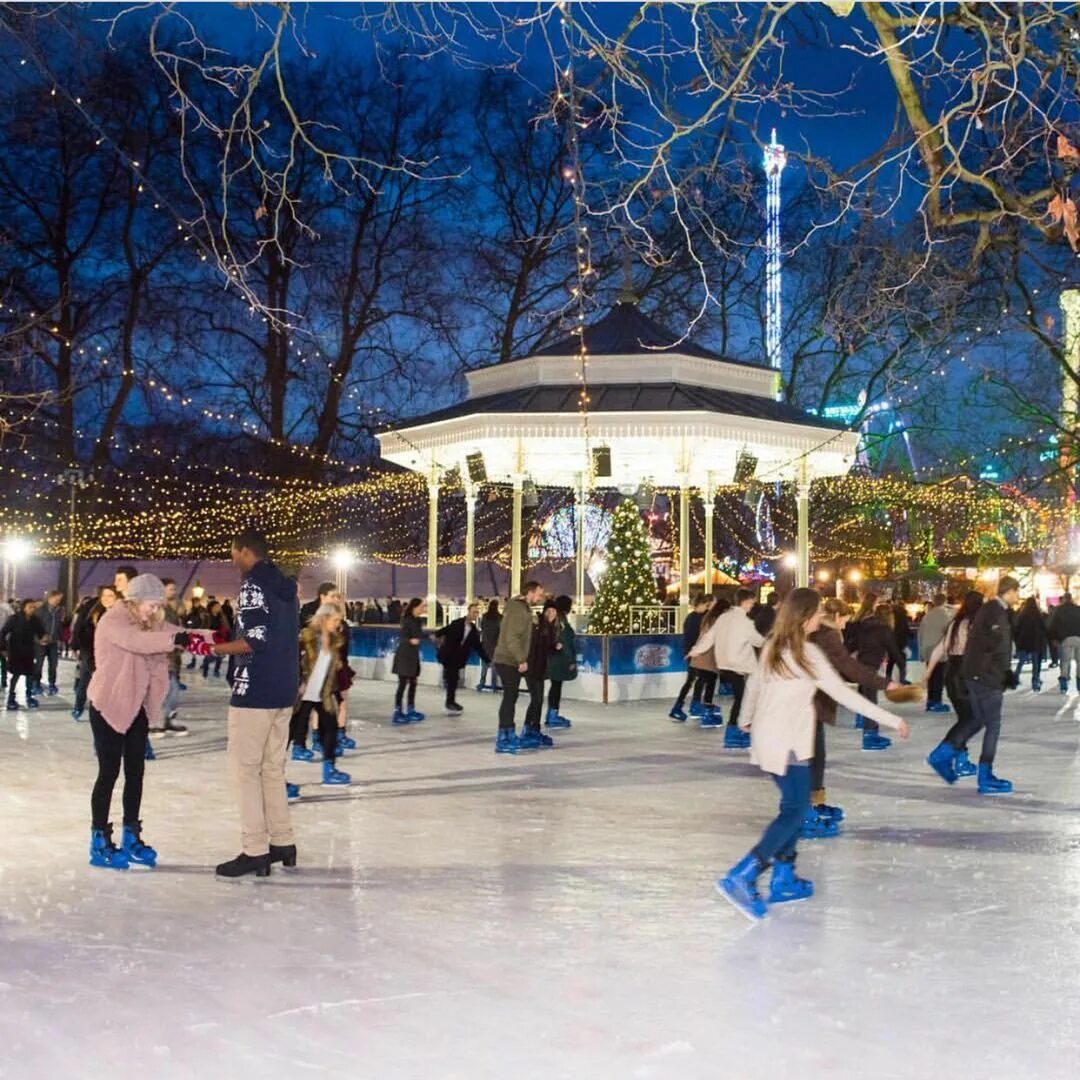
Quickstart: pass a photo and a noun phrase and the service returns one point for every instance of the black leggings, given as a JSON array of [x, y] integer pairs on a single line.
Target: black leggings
[[112, 748], [555, 694], [817, 765], [705, 686], [328, 727], [737, 681], [403, 685]]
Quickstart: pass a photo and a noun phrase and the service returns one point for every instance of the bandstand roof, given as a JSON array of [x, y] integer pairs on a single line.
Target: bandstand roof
[[669, 415]]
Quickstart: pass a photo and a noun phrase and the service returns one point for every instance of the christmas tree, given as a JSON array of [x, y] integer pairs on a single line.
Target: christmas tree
[[628, 579]]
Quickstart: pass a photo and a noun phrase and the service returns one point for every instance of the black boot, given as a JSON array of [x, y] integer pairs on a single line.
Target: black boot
[[243, 864], [284, 854]]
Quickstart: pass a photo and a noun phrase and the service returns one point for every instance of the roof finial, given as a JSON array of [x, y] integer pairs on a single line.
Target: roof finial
[[626, 293]]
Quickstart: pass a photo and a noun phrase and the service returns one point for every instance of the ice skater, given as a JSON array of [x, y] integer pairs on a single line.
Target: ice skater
[[691, 627], [988, 673], [458, 640], [489, 638], [22, 635], [132, 645], [562, 664], [871, 638], [821, 818], [703, 662], [949, 656], [407, 663], [512, 660], [320, 662], [735, 640], [779, 713]]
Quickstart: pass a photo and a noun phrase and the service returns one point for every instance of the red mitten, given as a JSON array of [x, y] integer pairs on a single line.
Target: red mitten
[[199, 646]]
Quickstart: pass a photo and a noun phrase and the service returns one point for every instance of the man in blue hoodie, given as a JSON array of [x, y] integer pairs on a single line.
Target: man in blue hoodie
[[265, 684]]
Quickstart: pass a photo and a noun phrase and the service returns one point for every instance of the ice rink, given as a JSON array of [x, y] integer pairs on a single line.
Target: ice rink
[[462, 915]]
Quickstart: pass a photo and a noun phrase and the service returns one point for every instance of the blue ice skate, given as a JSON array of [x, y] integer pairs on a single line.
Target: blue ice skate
[[739, 888]]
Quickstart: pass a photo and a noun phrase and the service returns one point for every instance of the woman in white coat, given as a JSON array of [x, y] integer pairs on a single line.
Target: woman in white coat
[[779, 713]]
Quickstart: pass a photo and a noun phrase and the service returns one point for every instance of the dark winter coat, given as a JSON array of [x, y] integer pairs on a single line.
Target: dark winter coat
[[901, 626], [407, 657], [545, 637], [1065, 621], [872, 643], [458, 640], [765, 620], [489, 632], [988, 656], [691, 627], [267, 619], [562, 665], [307, 612], [1031, 635], [831, 642], [19, 639]]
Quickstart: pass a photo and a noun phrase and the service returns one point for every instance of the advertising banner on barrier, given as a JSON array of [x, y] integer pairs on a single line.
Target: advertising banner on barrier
[[645, 654]]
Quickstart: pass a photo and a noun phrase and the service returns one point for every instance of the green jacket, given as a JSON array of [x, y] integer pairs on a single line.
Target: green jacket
[[562, 665], [515, 634]]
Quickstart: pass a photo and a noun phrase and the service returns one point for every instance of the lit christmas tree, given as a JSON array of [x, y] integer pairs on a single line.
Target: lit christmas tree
[[628, 579]]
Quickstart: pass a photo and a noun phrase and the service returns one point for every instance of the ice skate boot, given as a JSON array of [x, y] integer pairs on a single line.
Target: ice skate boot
[[735, 738], [332, 775], [138, 853], [454, 708], [942, 760], [989, 784], [858, 720], [553, 720], [871, 740], [414, 717], [739, 887], [292, 792], [678, 714], [711, 717], [149, 755], [12, 704], [964, 765], [506, 742], [1063, 685], [815, 826], [302, 753], [31, 703], [345, 742], [697, 709], [399, 717], [784, 885], [103, 852], [76, 715]]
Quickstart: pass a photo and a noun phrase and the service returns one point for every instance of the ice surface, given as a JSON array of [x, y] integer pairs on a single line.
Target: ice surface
[[462, 915]]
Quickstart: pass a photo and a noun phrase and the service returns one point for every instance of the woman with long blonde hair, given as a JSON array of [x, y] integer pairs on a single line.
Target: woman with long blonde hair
[[779, 713]]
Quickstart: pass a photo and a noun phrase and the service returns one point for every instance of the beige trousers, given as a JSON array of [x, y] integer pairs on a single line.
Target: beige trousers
[[257, 742]]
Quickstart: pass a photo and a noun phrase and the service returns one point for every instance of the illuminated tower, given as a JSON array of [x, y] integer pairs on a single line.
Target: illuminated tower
[[774, 161]]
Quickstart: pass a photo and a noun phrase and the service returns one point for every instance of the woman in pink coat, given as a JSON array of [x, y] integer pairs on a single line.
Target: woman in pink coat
[[131, 649]]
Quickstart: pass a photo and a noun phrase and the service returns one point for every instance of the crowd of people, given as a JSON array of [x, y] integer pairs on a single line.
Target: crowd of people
[[782, 664]]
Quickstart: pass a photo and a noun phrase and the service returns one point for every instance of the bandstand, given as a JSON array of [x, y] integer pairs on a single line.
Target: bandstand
[[677, 417]]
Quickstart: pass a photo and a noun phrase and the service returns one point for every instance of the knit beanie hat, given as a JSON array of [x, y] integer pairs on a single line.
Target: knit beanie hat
[[145, 587]]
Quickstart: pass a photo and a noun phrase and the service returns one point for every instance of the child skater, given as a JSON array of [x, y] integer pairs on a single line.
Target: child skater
[[779, 712]]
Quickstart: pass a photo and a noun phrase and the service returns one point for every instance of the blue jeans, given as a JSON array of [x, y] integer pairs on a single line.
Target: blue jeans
[[779, 838], [169, 705], [484, 669], [985, 716], [1035, 659]]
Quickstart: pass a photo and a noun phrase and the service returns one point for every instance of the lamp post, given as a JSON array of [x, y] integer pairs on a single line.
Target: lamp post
[[75, 478], [342, 559], [16, 550]]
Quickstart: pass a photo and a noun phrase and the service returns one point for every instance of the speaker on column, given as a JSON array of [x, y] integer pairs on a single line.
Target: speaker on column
[[745, 467], [530, 498], [475, 465], [601, 461]]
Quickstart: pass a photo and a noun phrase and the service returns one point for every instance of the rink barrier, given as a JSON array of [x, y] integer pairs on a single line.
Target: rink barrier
[[611, 668]]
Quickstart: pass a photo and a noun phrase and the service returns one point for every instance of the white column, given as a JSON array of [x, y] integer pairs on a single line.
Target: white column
[[515, 538], [684, 549], [580, 505], [470, 542], [802, 552], [709, 497], [433, 547]]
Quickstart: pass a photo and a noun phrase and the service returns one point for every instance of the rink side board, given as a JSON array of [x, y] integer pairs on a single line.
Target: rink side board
[[630, 667]]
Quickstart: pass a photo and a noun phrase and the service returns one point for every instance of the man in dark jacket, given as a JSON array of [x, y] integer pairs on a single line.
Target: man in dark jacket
[[691, 627], [458, 640], [765, 616], [51, 614], [265, 685], [987, 671]]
